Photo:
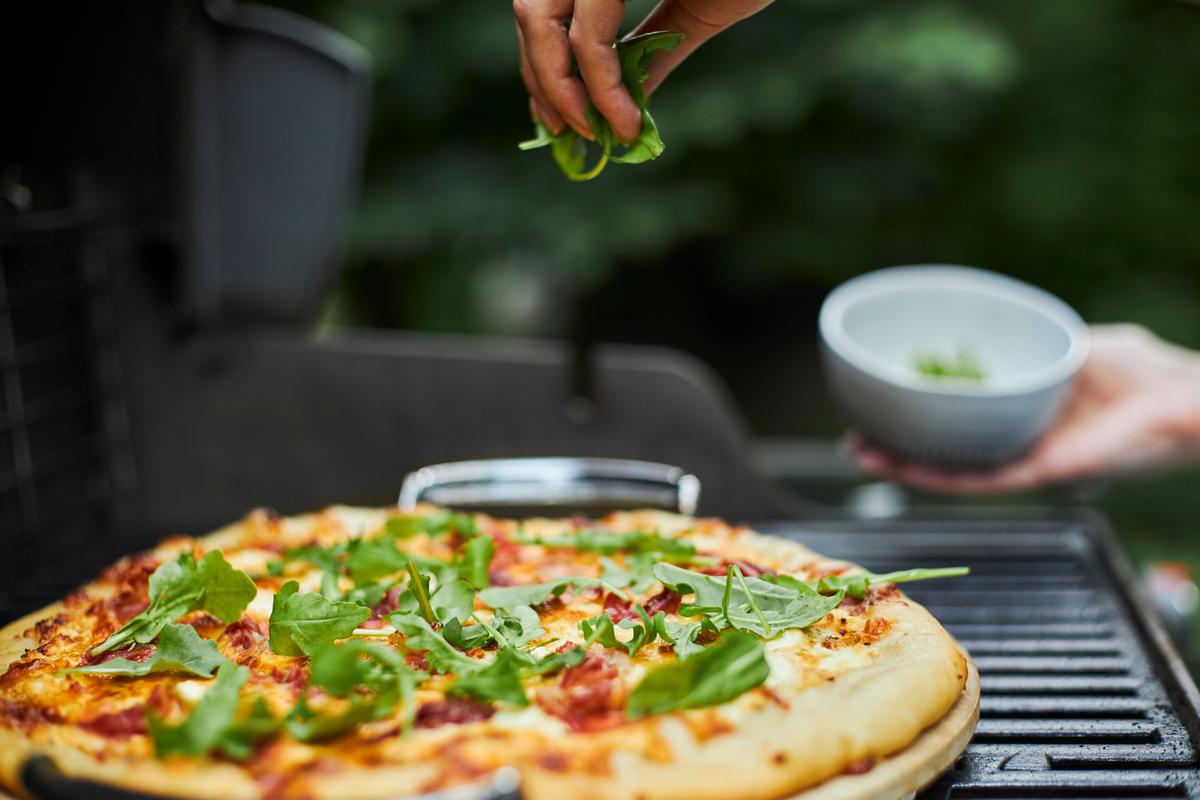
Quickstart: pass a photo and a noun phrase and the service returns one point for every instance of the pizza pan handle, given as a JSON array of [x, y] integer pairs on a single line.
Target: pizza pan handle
[[533, 485], [43, 780]]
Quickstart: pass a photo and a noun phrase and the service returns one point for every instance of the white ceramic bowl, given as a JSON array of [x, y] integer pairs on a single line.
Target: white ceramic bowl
[[1029, 343]]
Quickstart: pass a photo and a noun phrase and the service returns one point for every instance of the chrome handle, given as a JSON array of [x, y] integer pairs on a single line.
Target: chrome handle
[[549, 482]]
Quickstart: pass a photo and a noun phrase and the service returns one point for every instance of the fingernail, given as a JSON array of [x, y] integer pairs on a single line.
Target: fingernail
[[583, 130]]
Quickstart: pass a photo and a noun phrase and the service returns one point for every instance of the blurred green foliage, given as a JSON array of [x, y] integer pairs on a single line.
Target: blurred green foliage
[[1056, 142]]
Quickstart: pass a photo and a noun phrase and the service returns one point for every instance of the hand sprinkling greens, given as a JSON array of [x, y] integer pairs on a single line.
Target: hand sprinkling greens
[[180, 649], [182, 586], [717, 675], [570, 149]]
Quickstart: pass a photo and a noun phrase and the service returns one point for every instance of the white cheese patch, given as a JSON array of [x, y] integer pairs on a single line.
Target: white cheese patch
[[190, 692], [251, 560], [531, 718], [262, 604]]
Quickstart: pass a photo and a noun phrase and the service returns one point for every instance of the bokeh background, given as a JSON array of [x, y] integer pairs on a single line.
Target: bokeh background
[[1056, 142]]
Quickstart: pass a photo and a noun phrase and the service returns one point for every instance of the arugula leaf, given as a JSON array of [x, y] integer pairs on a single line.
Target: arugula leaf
[[717, 675], [210, 721], [474, 560], [418, 587], [753, 604], [327, 559], [368, 593], [516, 629], [182, 586], [500, 680], [681, 634], [465, 638], [454, 600], [442, 657], [341, 668], [309, 726], [569, 147], [238, 739], [556, 661], [301, 623], [856, 585], [607, 542], [600, 628], [637, 578], [372, 559], [509, 598], [180, 649], [404, 527], [434, 524]]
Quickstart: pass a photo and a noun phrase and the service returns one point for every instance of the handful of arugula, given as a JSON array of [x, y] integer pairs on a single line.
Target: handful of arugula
[[570, 149]]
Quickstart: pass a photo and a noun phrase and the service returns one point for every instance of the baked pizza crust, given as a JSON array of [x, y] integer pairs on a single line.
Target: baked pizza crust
[[915, 674]]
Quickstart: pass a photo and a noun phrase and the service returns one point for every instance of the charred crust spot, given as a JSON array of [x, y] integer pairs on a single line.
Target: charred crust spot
[[131, 573], [46, 628], [21, 669], [876, 628]]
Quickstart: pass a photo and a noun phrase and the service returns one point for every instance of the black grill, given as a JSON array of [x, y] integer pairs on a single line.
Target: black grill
[[1080, 697], [64, 445]]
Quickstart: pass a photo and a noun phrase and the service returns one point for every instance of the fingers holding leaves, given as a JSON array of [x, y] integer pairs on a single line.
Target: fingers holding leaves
[[539, 106], [594, 28], [542, 32]]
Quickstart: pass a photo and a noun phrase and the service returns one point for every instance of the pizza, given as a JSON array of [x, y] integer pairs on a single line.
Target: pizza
[[369, 653]]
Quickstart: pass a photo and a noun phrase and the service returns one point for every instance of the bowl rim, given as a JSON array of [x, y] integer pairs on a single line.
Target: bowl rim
[[948, 276]]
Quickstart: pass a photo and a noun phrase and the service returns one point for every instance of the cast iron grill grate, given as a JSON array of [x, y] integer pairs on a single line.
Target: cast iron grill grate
[[64, 450], [1075, 702]]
